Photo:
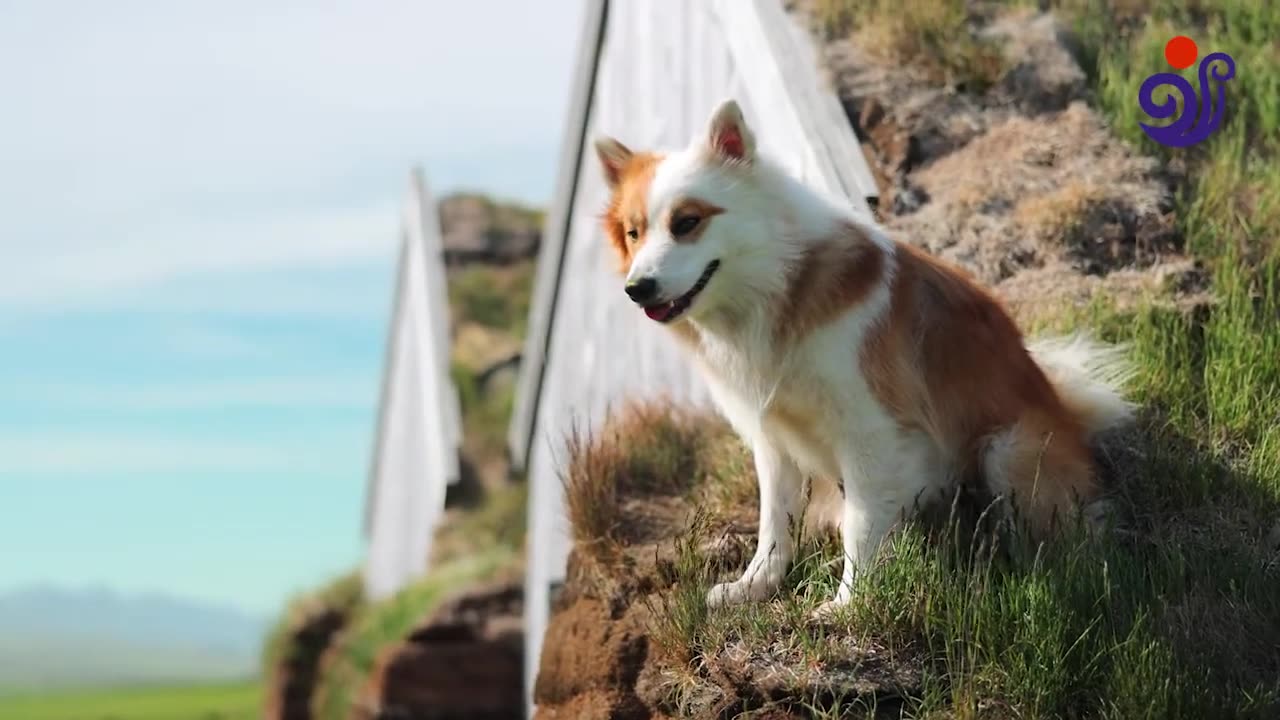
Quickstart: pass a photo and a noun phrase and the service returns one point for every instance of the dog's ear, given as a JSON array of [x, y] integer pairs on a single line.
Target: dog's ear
[[614, 158], [728, 136]]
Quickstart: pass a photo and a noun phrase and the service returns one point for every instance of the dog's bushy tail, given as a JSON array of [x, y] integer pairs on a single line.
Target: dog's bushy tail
[[1090, 377]]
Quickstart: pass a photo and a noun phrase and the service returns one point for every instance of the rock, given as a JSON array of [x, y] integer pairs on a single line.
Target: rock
[[475, 228], [464, 662], [1022, 184]]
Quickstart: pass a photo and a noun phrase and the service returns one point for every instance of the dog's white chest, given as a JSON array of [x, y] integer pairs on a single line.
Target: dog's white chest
[[794, 411], [813, 403]]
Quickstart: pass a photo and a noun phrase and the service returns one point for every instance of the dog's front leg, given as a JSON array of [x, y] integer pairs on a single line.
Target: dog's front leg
[[780, 488]]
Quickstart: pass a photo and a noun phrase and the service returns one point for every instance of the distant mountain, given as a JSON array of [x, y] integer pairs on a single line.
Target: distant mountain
[[55, 637]]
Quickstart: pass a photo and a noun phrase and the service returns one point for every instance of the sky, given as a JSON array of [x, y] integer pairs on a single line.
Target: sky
[[199, 207]]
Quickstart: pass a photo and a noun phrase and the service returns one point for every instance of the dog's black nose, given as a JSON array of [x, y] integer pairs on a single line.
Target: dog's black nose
[[642, 290]]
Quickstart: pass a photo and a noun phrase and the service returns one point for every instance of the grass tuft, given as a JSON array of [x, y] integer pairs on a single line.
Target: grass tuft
[[646, 449], [935, 36]]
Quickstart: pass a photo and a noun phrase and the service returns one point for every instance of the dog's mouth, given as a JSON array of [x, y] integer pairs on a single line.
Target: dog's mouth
[[672, 309]]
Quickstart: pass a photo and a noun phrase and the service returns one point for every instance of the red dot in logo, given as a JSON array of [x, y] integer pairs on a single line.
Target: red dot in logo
[[1181, 51]]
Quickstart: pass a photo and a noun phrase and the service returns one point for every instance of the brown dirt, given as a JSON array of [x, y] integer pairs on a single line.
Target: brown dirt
[[463, 662], [1022, 185], [596, 654], [289, 689]]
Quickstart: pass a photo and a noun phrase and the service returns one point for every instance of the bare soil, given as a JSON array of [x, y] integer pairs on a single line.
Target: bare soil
[[465, 662]]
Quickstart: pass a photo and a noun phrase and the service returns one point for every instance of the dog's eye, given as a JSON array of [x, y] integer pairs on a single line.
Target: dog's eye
[[685, 225], [633, 234]]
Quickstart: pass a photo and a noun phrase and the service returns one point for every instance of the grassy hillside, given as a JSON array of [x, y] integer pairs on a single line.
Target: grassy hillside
[[489, 307], [347, 666], [195, 702], [1176, 614], [480, 535]]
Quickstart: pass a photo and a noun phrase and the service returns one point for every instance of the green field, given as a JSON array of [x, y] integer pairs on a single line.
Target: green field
[[201, 702]]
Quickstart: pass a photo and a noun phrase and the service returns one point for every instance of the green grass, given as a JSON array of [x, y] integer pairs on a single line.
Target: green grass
[[1177, 615], [380, 625], [199, 702], [497, 520], [486, 412], [496, 297]]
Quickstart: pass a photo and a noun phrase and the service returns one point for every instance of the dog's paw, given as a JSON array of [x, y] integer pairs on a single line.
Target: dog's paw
[[737, 593], [829, 611]]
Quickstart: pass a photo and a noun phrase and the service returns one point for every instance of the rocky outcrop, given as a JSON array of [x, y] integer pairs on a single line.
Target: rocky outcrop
[[463, 662], [477, 229], [1021, 183]]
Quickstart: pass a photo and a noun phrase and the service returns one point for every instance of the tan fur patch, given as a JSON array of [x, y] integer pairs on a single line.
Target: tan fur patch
[[799, 421], [949, 360], [827, 281], [628, 209], [691, 208]]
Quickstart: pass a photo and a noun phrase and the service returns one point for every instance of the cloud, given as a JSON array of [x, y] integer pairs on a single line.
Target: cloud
[[73, 270], [346, 392], [210, 342], [147, 140], [31, 454]]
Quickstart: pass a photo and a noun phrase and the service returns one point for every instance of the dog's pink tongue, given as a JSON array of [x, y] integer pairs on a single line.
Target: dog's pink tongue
[[658, 312]]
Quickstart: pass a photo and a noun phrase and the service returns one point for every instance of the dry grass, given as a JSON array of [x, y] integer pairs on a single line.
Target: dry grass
[[933, 36], [1057, 213], [648, 449]]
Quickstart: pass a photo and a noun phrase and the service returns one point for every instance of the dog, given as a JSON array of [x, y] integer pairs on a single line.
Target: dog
[[837, 352]]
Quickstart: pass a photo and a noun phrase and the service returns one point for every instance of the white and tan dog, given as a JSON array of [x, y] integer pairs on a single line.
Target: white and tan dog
[[836, 352]]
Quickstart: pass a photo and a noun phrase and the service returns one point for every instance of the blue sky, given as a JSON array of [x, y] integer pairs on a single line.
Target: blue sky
[[198, 216]]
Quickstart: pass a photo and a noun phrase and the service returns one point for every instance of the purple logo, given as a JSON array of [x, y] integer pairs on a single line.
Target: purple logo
[[1201, 111]]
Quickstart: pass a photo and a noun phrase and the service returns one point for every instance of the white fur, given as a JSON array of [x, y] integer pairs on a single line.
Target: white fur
[[1088, 376]]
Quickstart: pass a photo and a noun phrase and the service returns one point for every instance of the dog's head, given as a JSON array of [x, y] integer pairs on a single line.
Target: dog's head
[[681, 222]]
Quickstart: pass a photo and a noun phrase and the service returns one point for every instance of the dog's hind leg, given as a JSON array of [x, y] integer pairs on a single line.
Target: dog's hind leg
[[886, 477]]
